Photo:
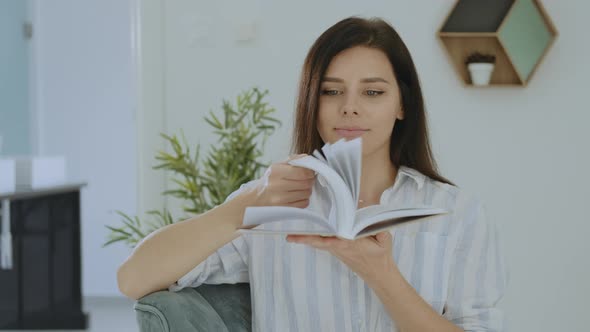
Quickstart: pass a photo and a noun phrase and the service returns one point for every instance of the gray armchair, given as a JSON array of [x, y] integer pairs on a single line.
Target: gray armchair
[[205, 308]]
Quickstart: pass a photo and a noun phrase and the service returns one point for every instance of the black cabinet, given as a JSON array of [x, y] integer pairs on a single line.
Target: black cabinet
[[42, 290]]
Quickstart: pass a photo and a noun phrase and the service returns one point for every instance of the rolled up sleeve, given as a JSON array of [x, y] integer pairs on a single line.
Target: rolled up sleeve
[[227, 265]]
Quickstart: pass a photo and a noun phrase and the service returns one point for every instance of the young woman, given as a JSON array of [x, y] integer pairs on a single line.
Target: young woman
[[443, 274]]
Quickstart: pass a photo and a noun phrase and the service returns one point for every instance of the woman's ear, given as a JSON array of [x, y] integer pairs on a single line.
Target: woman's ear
[[401, 114], [404, 92]]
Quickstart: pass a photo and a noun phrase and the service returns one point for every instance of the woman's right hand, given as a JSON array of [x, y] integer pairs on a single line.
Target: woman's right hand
[[285, 185]]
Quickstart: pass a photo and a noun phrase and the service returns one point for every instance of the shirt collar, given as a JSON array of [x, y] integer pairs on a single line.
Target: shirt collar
[[418, 177]]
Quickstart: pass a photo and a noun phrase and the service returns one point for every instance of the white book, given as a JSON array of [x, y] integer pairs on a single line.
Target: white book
[[339, 173]]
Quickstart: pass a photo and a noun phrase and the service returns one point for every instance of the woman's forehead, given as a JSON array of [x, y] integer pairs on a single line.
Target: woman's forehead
[[360, 63]]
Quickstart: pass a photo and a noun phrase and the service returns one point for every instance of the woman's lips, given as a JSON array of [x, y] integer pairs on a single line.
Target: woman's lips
[[350, 132]]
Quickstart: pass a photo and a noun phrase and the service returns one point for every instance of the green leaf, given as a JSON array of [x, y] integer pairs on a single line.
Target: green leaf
[[118, 230], [134, 228], [242, 133], [117, 239]]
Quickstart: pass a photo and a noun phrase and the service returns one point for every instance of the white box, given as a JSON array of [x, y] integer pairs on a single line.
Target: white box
[[7, 176], [40, 172]]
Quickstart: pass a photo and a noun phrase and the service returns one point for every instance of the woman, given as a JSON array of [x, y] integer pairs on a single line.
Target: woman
[[444, 274]]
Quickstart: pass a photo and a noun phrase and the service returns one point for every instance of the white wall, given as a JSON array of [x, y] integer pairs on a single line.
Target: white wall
[[86, 99], [520, 148]]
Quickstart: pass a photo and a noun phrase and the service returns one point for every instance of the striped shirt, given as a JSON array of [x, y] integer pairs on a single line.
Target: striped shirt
[[453, 261]]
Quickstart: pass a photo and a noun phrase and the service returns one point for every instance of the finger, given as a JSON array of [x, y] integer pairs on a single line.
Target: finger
[[294, 156], [383, 238], [279, 197], [290, 172], [298, 173], [299, 204], [319, 242], [295, 185], [295, 196]]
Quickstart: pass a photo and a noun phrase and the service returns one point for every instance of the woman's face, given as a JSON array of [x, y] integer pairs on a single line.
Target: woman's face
[[359, 96]]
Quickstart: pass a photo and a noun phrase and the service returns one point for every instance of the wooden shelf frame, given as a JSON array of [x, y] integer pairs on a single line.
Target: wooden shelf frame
[[520, 40]]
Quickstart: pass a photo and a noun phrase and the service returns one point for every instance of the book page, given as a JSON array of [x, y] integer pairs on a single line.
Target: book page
[[342, 153], [372, 210], [343, 206], [388, 224], [258, 215], [345, 158], [284, 232], [394, 217], [356, 161], [319, 156], [328, 150]]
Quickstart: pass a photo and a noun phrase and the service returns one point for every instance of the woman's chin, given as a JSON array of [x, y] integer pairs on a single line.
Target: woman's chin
[[350, 135]]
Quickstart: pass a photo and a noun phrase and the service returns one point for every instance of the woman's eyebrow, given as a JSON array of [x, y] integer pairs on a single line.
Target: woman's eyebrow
[[364, 80], [374, 79]]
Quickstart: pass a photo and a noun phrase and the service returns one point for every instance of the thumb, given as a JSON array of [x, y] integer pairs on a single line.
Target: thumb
[[383, 238], [295, 156]]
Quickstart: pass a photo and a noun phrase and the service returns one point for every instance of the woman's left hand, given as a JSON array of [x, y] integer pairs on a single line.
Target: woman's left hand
[[369, 257]]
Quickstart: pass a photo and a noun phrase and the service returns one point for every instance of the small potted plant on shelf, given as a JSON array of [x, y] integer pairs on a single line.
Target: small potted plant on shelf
[[480, 67]]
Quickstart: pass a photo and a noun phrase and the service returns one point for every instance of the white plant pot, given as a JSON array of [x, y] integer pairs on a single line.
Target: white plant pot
[[481, 73]]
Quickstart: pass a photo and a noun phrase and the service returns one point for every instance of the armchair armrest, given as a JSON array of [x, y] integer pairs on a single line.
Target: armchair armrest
[[223, 307]]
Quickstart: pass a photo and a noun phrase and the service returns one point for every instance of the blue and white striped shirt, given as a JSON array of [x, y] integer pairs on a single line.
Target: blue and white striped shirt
[[453, 261]]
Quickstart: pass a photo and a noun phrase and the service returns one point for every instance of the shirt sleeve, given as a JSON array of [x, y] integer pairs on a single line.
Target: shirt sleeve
[[478, 274], [227, 265]]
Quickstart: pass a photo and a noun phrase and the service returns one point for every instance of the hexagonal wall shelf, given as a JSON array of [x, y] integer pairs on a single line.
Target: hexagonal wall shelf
[[518, 32]]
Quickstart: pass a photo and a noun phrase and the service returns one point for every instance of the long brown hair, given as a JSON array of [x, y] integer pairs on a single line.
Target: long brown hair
[[410, 145]]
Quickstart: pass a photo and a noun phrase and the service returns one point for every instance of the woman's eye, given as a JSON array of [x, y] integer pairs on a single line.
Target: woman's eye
[[374, 93], [330, 92]]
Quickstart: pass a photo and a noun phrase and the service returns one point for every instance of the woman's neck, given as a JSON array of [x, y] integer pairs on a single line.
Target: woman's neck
[[378, 174]]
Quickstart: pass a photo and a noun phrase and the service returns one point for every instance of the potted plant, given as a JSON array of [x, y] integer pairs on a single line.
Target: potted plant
[[480, 67], [203, 184]]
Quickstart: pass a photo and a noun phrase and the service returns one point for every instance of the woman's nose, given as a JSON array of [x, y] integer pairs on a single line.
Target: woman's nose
[[347, 110], [350, 107]]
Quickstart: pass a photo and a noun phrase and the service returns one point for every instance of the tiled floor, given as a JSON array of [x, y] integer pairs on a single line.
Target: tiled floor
[[106, 314]]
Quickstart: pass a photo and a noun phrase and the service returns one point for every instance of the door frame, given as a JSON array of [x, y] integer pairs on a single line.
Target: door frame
[[35, 113], [147, 35]]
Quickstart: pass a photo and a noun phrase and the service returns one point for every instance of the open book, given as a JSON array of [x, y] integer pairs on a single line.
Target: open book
[[338, 171]]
